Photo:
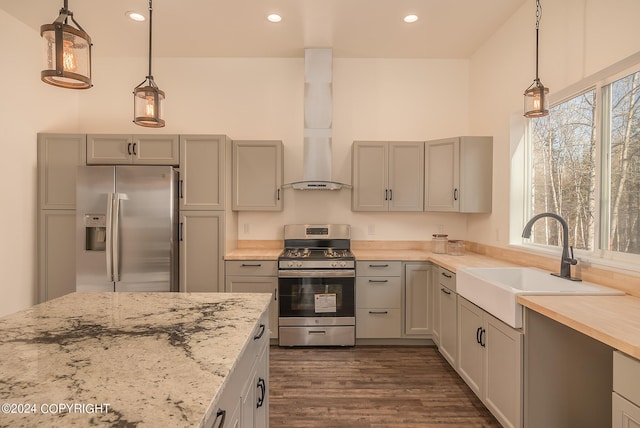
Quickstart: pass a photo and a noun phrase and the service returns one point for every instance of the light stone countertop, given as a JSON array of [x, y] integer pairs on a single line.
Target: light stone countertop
[[253, 254], [154, 359]]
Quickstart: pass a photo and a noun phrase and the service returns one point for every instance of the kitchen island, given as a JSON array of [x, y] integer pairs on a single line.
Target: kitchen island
[[124, 359]]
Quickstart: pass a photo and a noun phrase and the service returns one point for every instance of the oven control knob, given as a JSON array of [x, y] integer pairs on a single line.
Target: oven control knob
[[298, 264]]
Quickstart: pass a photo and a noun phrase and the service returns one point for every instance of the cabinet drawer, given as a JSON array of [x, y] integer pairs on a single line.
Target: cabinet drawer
[[378, 292], [259, 337], [251, 267], [375, 268], [378, 323], [447, 278], [626, 372]]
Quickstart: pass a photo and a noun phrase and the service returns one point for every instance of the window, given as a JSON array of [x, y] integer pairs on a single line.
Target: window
[[584, 164]]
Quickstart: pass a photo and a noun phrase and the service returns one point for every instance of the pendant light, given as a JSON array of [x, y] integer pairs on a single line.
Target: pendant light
[[148, 99], [67, 53], [536, 101]]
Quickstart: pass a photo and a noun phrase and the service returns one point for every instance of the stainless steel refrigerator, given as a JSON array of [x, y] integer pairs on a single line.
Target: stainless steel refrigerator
[[126, 228]]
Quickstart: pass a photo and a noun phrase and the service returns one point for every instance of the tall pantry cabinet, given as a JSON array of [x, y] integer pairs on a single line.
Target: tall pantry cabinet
[[59, 155], [208, 227]]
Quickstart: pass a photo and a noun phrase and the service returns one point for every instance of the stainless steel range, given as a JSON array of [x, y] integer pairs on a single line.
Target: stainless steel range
[[316, 286]]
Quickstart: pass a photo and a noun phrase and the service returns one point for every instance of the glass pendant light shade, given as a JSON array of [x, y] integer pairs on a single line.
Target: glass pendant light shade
[[536, 100], [148, 105], [66, 53]]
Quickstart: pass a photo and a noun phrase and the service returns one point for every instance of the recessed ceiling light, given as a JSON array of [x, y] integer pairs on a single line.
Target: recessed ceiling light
[[135, 16], [274, 17], [410, 18]]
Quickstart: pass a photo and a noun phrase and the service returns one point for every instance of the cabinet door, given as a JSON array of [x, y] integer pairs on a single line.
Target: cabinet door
[[59, 156], [470, 350], [435, 298], [156, 150], [625, 413], [57, 240], [202, 172], [476, 174], [406, 176], [258, 284], [503, 394], [417, 299], [257, 175], [448, 325], [108, 149], [370, 175], [201, 253], [442, 175], [261, 415]]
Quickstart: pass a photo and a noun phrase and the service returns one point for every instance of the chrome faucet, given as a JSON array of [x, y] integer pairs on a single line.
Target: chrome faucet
[[566, 261]]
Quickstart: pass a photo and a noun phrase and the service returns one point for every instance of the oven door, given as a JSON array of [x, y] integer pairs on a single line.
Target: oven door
[[316, 293]]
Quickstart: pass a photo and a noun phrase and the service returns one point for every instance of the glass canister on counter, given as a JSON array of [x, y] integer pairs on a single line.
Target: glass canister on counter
[[455, 247], [439, 243]]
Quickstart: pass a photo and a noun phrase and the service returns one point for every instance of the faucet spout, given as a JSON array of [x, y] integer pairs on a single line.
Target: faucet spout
[[566, 261]]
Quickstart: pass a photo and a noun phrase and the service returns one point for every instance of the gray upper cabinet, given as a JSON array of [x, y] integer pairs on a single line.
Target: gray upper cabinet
[[113, 149], [257, 176], [59, 156], [458, 174], [204, 171], [387, 176]]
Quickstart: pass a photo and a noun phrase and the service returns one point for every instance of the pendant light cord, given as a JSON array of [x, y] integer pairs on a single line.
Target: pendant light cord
[[538, 16], [150, 35]]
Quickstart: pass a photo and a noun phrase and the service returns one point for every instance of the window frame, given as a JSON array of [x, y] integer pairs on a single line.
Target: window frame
[[599, 254]]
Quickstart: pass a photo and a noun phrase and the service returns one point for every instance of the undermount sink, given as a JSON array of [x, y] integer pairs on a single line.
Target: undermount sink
[[496, 290]]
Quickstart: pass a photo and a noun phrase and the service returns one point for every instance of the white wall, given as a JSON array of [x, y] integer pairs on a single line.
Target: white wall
[[577, 38], [262, 98], [28, 106]]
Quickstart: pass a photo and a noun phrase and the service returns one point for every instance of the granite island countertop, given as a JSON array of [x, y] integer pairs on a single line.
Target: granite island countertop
[[122, 359]]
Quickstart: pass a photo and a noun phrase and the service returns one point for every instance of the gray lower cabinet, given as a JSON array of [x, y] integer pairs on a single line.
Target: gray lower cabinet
[[378, 300], [626, 391], [418, 297], [244, 401], [447, 302], [255, 276], [490, 358], [56, 270], [201, 251], [257, 176]]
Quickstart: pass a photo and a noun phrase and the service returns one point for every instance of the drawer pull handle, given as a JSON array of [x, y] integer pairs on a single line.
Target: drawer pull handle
[[445, 291], [263, 391], [378, 266], [318, 332], [251, 264], [446, 275], [379, 281], [378, 312], [220, 414], [261, 330]]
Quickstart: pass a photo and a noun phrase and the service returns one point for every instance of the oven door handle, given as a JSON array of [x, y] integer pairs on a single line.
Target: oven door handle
[[317, 273]]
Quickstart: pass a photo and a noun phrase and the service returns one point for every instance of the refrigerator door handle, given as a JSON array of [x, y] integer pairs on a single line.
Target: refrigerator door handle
[[109, 243], [116, 234]]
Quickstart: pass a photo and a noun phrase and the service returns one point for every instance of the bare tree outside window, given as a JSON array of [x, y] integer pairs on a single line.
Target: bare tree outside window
[[563, 171], [624, 165]]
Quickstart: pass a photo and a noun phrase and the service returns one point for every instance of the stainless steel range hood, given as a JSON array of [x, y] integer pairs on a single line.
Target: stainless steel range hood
[[318, 107]]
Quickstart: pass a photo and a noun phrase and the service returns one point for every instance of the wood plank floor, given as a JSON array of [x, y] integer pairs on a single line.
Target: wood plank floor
[[369, 387]]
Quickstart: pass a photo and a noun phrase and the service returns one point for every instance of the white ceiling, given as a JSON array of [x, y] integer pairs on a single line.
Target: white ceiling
[[238, 28]]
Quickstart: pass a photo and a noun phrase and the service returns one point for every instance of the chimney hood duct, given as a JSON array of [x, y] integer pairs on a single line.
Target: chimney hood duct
[[318, 107]]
